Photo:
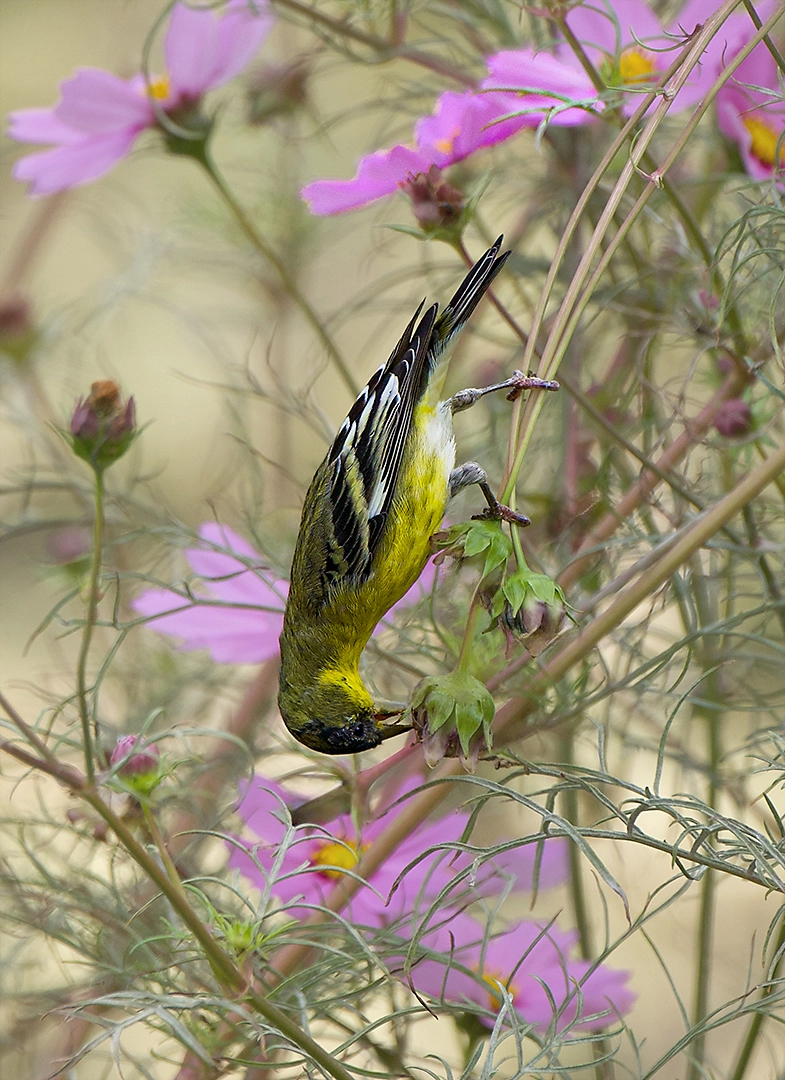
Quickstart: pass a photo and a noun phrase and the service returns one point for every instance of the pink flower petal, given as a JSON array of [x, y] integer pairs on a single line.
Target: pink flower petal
[[461, 124], [191, 49], [40, 126], [242, 30], [203, 51], [99, 103], [609, 29], [73, 164], [232, 635], [530, 71], [241, 585], [522, 959], [732, 109], [378, 174]]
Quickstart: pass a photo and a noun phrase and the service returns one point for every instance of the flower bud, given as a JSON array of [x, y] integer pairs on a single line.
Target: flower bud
[[435, 203], [452, 717], [139, 763], [103, 426], [277, 90], [18, 334], [733, 419]]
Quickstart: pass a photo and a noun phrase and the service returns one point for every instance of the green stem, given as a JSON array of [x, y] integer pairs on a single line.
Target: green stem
[[475, 612], [224, 968], [163, 851], [269, 253], [587, 276], [757, 1021], [87, 632], [510, 719]]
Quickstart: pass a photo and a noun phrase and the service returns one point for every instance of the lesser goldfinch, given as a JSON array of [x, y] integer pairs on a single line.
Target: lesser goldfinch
[[369, 514]]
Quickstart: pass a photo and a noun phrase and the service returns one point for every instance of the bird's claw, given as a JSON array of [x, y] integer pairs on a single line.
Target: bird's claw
[[520, 382], [500, 512]]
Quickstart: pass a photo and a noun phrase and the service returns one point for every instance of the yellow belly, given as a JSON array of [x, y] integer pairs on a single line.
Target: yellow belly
[[421, 497]]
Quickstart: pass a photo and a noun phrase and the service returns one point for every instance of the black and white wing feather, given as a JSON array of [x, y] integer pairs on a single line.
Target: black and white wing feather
[[365, 460]]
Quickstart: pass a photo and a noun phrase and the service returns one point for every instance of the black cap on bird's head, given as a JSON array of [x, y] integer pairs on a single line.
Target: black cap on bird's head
[[334, 714], [349, 735]]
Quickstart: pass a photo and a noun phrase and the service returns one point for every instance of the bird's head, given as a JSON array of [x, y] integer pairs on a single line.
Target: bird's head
[[334, 714]]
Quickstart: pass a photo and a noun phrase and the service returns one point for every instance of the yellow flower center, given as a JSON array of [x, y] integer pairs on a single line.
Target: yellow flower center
[[159, 89], [336, 856], [494, 981], [446, 145], [764, 141], [636, 66]]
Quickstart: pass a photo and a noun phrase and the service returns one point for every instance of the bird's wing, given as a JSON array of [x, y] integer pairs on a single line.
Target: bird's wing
[[365, 459]]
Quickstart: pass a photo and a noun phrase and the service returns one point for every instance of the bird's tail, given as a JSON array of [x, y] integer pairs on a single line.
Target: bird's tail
[[474, 286]]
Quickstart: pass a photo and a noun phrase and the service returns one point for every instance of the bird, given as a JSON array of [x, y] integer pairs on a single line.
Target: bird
[[368, 518]]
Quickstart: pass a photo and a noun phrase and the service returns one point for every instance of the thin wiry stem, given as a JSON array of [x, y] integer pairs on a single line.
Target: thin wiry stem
[[87, 632], [268, 252], [385, 50], [756, 1024]]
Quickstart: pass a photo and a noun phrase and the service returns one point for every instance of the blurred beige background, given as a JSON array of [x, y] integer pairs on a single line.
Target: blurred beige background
[[142, 278]]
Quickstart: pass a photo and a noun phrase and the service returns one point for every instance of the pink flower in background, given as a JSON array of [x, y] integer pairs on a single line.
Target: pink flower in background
[[751, 112], [246, 633], [314, 861], [630, 47], [460, 125], [530, 961], [240, 616], [99, 116]]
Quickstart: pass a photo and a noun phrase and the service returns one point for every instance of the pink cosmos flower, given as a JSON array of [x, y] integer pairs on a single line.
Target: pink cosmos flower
[[630, 47], [305, 870], [751, 112], [99, 116], [239, 616], [531, 964], [460, 125]]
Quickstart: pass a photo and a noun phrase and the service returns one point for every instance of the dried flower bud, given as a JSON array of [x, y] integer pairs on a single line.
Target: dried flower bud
[[436, 204], [277, 90], [733, 418], [103, 426]]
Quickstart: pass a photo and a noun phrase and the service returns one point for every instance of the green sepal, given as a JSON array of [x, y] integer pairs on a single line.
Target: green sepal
[[472, 538], [524, 583], [458, 698]]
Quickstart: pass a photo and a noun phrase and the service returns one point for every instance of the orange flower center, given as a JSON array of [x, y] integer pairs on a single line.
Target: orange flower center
[[636, 66], [496, 984], [764, 141], [446, 145], [331, 857]]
